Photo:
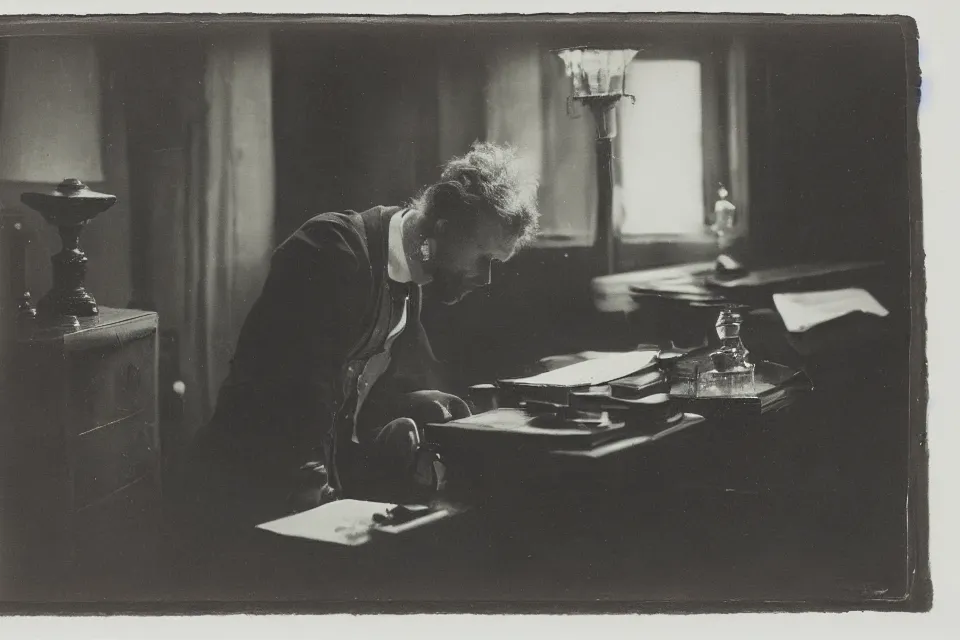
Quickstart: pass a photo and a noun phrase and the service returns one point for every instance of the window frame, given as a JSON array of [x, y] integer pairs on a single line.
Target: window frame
[[722, 74], [637, 250]]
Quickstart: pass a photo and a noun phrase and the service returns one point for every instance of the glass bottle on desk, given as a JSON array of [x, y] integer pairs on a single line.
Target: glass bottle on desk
[[732, 374]]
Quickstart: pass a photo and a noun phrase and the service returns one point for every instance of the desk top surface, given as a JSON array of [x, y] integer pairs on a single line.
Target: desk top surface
[[124, 323]]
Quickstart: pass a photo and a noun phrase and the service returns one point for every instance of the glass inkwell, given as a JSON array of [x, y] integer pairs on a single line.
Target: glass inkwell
[[731, 374]]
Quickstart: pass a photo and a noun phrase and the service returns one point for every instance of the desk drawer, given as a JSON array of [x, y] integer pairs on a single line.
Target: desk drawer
[[111, 383], [111, 457]]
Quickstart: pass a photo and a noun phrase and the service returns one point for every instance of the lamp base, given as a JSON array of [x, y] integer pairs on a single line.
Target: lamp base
[[69, 207], [68, 296], [58, 304], [605, 115]]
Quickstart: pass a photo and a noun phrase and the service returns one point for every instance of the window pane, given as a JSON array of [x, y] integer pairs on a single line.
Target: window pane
[[661, 149]]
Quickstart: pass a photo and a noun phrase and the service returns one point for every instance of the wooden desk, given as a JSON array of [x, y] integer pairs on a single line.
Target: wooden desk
[[777, 512], [803, 506], [679, 304]]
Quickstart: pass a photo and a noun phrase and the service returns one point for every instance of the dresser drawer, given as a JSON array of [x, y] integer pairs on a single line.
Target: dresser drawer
[[111, 457], [112, 382]]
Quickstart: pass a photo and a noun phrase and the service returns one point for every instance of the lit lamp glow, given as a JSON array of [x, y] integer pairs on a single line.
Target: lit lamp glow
[[598, 80]]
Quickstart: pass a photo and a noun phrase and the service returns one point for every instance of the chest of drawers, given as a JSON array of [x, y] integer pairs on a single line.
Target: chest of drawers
[[80, 454]]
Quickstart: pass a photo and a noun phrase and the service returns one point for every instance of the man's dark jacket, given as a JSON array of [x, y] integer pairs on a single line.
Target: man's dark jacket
[[326, 307]]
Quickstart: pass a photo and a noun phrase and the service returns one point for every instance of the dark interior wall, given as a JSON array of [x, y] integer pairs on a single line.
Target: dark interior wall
[[160, 83], [829, 144], [356, 126], [355, 118]]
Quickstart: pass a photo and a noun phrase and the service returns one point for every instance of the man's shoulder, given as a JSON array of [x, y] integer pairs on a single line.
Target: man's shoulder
[[349, 216], [330, 220], [338, 222], [338, 236]]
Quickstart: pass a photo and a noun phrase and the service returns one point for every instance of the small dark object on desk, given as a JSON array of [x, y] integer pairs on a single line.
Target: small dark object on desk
[[482, 397], [401, 514], [728, 267]]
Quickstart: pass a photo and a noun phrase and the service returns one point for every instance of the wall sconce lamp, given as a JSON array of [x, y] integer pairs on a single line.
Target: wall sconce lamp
[[597, 79]]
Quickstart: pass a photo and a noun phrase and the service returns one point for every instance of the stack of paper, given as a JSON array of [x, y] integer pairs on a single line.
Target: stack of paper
[[553, 387], [345, 522], [597, 370], [803, 311], [354, 522]]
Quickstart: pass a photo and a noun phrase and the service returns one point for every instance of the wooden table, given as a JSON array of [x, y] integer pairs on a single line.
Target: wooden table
[[801, 508], [724, 515]]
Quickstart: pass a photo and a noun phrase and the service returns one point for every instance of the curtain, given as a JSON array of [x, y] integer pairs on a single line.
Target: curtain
[[228, 232], [737, 128], [200, 154], [568, 193]]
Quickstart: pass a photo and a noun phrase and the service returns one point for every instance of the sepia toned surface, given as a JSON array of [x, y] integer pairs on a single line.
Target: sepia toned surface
[[221, 141]]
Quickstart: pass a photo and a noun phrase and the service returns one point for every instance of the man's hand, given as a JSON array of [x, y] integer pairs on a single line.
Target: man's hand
[[430, 471], [425, 407], [313, 488], [400, 442]]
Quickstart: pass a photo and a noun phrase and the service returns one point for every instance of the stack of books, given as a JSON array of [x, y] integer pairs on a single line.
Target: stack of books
[[574, 408], [586, 406]]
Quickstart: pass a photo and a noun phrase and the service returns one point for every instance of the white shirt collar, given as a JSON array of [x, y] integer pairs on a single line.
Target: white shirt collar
[[398, 264]]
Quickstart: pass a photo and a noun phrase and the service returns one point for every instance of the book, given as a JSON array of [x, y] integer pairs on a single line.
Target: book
[[776, 387], [554, 386], [640, 385], [512, 429]]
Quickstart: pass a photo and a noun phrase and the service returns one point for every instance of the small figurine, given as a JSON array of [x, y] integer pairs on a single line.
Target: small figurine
[[25, 308], [724, 218], [725, 228]]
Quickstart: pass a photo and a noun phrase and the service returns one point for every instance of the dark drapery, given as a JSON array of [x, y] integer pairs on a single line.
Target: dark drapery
[[199, 115]]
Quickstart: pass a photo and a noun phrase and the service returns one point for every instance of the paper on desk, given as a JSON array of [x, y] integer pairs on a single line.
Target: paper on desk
[[345, 522], [594, 371], [803, 311]]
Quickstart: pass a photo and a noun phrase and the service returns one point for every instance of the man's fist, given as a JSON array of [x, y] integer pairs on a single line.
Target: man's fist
[[425, 407], [398, 441], [430, 471]]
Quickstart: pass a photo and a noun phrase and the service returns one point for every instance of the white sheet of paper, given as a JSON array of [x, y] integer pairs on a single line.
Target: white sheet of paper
[[344, 522], [803, 311], [595, 371]]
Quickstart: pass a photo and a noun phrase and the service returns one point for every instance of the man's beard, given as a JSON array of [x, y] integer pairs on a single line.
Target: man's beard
[[450, 289]]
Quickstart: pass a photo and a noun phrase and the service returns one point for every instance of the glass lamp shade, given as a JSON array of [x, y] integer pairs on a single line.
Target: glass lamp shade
[[596, 73]]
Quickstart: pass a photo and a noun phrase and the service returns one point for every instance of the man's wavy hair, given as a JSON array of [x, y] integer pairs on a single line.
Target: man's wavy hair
[[488, 180]]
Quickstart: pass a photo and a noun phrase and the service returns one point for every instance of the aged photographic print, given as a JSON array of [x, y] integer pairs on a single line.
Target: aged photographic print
[[482, 314]]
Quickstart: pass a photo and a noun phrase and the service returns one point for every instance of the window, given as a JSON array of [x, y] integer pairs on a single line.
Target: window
[[660, 150], [683, 136]]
